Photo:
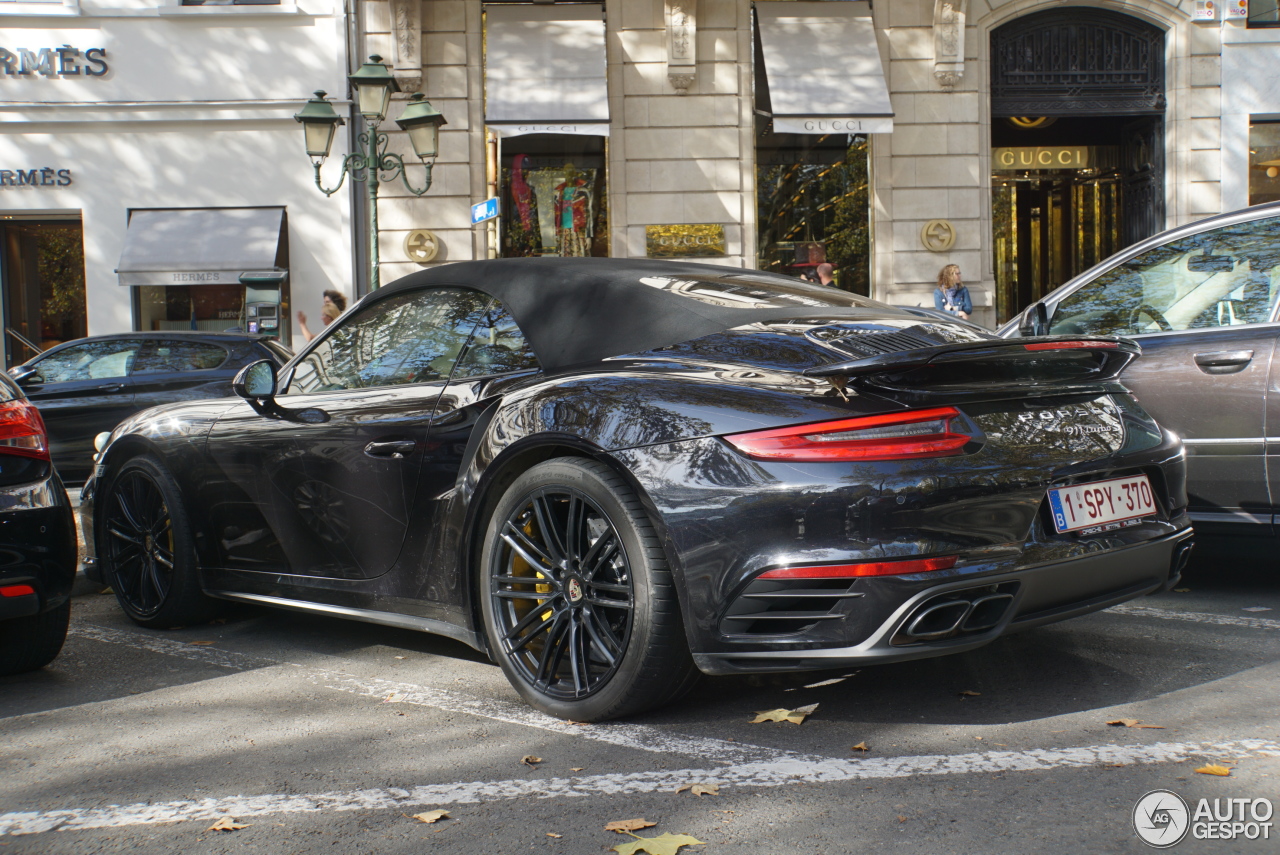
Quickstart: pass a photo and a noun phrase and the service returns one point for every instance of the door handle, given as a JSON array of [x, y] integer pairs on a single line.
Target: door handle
[[110, 387], [1223, 361], [396, 449]]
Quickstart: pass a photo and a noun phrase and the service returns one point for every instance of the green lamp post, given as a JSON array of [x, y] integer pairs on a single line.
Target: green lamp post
[[372, 164]]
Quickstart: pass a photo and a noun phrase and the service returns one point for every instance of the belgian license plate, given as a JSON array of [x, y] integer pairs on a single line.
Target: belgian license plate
[[1101, 502]]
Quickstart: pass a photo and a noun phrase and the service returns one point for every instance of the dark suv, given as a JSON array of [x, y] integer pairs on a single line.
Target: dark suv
[[90, 385], [37, 540]]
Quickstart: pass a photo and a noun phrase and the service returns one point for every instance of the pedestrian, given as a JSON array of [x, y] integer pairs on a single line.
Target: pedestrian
[[332, 304], [951, 295], [825, 274]]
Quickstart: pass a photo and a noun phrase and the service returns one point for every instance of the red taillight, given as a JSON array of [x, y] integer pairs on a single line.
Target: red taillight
[[893, 436], [875, 568], [17, 591], [1072, 345], [22, 431]]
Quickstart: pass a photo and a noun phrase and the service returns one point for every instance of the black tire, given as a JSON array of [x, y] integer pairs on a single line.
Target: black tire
[[595, 633], [146, 550], [33, 642]]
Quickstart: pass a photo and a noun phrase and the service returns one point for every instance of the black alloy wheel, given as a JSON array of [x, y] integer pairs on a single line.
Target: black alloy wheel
[[144, 543], [579, 605]]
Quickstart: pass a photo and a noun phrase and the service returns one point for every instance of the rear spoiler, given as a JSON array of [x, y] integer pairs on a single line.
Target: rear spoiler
[[1113, 355]]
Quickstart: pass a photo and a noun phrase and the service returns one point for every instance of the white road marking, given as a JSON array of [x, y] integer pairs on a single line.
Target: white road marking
[[637, 736], [768, 774], [1197, 617]]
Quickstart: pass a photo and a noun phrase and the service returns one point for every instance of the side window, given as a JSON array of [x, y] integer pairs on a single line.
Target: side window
[[95, 360], [410, 338], [497, 347], [164, 357], [1224, 277]]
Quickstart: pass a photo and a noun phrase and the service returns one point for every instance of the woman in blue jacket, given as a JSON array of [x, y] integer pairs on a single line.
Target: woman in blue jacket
[[951, 295]]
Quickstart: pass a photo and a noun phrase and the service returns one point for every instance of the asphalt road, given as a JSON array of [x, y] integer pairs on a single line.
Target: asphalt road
[[319, 735]]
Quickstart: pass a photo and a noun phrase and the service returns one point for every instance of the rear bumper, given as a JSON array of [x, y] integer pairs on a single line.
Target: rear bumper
[[1030, 597], [37, 546]]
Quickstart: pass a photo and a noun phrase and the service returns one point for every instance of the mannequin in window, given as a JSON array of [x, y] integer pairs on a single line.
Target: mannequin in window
[[573, 221]]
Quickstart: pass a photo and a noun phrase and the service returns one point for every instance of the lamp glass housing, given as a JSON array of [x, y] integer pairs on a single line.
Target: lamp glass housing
[[425, 140], [319, 137]]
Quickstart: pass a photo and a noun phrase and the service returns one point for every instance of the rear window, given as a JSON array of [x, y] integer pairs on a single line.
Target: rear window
[[757, 292]]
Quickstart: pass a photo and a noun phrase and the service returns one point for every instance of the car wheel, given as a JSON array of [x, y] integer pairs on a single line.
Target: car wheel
[[33, 642], [145, 546], [579, 605]]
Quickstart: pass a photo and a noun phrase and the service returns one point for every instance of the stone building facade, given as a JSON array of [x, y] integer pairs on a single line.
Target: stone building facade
[[683, 131]]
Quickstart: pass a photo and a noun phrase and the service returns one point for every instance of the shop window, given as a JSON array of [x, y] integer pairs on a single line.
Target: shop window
[[1264, 13], [43, 276], [554, 196], [813, 206], [1264, 162], [207, 308]]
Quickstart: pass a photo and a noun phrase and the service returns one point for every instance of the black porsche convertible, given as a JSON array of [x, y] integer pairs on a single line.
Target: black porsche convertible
[[612, 475]]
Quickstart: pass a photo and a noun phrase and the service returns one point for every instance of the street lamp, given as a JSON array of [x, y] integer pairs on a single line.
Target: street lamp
[[373, 86]]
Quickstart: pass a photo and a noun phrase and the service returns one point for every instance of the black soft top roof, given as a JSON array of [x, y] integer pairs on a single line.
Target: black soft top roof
[[582, 310]]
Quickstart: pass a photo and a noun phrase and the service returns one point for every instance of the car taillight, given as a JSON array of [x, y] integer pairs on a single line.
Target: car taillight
[[22, 431], [17, 591], [893, 436], [874, 568]]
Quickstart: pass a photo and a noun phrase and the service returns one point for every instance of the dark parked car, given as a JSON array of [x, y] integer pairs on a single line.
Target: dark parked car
[[612, 474], [37, 540], [90, 385], [1202, 302]]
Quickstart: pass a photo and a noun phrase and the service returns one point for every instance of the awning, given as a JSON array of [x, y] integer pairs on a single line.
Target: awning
[[203, 246], [544, 70], [823, 68]]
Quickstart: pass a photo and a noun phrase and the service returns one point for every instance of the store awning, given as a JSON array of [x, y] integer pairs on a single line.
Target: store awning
[[202, 246], [823, 67], [544, 70]]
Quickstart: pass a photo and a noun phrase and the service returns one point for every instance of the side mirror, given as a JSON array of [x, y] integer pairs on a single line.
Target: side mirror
[[25, 375], [256, 381], [1039, 316]]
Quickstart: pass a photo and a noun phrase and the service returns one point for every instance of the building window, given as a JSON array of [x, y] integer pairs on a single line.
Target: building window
[[43, 277], [1264, 13], [554, 196], [1264, 162], [812, 206]]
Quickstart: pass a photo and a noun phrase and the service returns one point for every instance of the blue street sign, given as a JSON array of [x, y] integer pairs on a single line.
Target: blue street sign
[[486, 210]]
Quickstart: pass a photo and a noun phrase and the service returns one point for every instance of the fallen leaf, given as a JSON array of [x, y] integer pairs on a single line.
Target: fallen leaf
[[667, 844], [530, 760], [621, 825], [200, 643], [395, 698], [700, 789], [1255, 609], [576, 768], [977, 737], [553, 834], [1182, 590], [795, 716], [430, 816], [399, 657], [1214, 769], [901, 819], [969, 693], [1134, 722], [226, 824], [861, 746]]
